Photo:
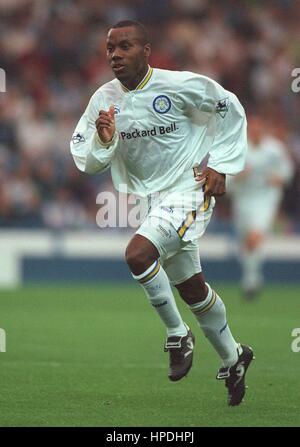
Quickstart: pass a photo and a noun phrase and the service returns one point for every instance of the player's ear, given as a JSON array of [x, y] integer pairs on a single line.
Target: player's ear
[[147, 50]]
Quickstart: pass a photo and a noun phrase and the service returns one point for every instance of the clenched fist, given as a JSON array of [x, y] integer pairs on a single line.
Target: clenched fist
[[105, 125]]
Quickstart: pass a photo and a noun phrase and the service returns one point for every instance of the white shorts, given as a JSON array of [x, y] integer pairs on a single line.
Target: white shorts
[[174, 224], [255, 215]]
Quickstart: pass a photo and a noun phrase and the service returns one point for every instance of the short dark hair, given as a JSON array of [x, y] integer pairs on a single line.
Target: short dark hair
[[143, 33]]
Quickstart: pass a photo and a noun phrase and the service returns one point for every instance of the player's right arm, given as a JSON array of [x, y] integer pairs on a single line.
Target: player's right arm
[[95, 139]]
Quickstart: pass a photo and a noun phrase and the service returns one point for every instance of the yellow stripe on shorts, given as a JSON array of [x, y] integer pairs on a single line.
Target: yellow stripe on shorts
[[206, 203], [188, 221]]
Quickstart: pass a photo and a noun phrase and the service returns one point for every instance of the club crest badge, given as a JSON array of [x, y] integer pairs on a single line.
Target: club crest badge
[[162, 104]]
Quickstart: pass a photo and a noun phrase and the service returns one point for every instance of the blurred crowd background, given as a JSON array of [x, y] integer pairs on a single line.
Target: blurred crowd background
[[53, 53]]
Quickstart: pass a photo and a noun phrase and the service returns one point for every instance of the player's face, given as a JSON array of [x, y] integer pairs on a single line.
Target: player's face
[[256, 130], [127, 56]]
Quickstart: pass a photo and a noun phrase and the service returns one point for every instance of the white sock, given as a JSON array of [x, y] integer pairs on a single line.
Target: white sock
[[211, 316], [252, 269], [156, 284]]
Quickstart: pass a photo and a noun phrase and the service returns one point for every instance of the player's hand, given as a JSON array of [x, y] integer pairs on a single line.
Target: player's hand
[[105, 125], [214, 182]]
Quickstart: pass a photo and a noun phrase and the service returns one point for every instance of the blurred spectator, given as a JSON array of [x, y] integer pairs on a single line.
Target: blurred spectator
[[63, 211], [54, 56]]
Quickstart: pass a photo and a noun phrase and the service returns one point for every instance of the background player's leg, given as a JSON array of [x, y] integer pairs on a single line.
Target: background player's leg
[[251, 261], [210, 312], [143, 259]]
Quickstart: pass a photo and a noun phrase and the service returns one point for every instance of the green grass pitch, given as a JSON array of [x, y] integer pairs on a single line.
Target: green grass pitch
[[93, 356]]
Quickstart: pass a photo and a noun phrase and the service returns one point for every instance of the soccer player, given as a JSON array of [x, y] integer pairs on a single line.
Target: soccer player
[[256, 194], [153, 128]]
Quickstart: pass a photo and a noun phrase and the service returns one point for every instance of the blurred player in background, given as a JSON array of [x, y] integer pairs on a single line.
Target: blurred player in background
[[153, 128], [256, 194]]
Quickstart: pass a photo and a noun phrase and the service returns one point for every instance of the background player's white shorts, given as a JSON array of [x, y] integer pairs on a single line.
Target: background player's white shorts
[[174, 224], [257, 215]]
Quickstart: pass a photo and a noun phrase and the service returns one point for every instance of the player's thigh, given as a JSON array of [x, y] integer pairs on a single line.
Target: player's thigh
[[266, 218], [175, 225], [184, 264], [162, 234]]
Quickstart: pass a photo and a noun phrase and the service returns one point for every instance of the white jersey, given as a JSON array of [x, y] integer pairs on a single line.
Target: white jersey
[[169, 123], [263, 161], [255, 198]]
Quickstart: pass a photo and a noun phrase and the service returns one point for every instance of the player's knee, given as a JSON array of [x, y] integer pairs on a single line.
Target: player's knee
[[191, 296], [134, 257], [137, 258], [253, 240], [193, 290]]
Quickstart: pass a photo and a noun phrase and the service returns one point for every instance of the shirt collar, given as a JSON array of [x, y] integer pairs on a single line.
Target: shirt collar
[[143, 82]]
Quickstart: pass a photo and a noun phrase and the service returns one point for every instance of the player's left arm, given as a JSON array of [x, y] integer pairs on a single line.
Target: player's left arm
[[228, 124], [282, 166]]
